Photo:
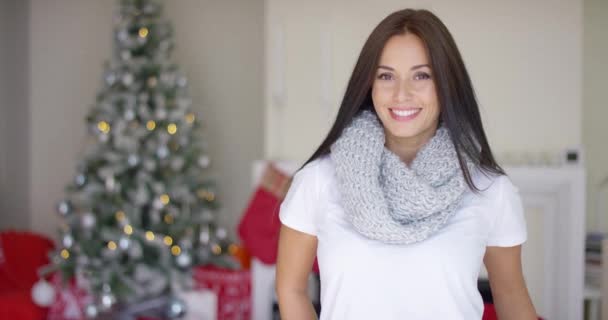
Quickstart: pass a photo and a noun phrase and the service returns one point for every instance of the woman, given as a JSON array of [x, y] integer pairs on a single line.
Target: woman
[[403, 200]]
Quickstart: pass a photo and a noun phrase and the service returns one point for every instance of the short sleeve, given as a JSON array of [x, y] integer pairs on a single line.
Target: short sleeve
[[509, 227], [299, 209]]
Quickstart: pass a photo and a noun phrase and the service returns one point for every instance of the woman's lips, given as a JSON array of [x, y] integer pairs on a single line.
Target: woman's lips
[[404, 114]]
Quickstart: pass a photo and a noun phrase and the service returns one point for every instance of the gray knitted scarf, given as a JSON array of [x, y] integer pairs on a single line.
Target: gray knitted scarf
[[386, 200]]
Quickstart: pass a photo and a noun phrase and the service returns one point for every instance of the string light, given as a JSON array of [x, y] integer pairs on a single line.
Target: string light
[[172, 128], [143, 32], [112, 245], [168, 240], [176, 250], [233, 249], [65, 254], [150, 235], [152, 82], [190, 118], [168, 219], [204, 194], [216, 249], [103, 126], [128, 229], [165, 199], [150, 125], [120, 215]]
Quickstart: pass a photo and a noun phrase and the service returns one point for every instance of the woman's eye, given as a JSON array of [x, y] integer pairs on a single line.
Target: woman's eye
[[385, 76], [422, 76]]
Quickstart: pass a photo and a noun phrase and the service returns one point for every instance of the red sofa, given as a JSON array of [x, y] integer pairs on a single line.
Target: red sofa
[[21, 254]]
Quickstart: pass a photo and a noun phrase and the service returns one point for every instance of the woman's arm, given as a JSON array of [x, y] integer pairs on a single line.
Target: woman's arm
[[296, 255], [511, 298]]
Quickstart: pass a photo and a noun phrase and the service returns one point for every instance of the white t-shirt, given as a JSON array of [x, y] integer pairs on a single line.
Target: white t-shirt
[[433, 279]]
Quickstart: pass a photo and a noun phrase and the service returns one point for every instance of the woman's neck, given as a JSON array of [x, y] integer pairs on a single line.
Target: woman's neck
[[407, 147]]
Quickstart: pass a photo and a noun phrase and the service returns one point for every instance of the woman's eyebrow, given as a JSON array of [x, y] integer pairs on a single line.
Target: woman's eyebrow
[[420, 66], [412, 68]]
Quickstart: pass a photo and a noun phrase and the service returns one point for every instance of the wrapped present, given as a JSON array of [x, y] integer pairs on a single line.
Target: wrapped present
[[200, 304], [232, 288], [70, 300]]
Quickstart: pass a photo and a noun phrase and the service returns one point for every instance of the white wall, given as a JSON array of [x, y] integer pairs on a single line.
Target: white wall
[[14, 122], [595, 109], [524, 58], [218, 45]]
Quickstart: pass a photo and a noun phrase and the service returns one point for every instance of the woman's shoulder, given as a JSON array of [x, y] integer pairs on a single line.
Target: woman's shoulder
[[321, 167], [492, 185], [318, 172]]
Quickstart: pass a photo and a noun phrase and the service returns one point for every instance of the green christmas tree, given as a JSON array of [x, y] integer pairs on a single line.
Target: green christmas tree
[[141, 210]]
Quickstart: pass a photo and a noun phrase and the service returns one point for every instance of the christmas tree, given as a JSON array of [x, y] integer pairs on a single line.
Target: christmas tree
[[141, 209]]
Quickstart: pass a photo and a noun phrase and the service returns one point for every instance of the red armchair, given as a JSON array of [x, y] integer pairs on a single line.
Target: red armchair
[[21, 254]]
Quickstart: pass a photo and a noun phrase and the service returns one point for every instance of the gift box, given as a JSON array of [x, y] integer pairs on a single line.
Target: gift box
[[232, 288], [70, 300]]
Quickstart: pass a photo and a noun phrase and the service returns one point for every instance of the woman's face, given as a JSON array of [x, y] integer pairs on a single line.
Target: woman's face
[[403, 91]]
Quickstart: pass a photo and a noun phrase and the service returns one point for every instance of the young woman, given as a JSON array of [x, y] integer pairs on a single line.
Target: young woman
[[403, 200]]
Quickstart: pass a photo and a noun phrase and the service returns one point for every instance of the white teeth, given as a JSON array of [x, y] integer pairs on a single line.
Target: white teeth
[[405, 113]]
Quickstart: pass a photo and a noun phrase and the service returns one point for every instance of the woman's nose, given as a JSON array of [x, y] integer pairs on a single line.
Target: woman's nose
[[403, 91]]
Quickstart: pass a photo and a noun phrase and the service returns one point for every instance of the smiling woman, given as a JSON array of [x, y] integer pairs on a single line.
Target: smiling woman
[[404, 95], [403, 200]]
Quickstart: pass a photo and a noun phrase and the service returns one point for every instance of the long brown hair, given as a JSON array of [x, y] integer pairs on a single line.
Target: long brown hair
[[459, 109]]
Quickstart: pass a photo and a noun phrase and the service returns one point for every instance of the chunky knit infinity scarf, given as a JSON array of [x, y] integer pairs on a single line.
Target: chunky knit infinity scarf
[[386, 200]]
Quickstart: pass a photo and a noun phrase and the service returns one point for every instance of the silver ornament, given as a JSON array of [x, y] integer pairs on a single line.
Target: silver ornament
[[125, 54], [207, 215], [157, 204], [161, 113], [104, 137], [110, 78], [124, 243], [150, 164], [182, 81], [129, 114], [168, 78], [158, 187], [204, 236], [127, 79], [204, 161], [176, 308], [162, 152], [135, 251], [133, 160], [177, 163], [88, 220], [64, 207], [141, 196], [67, 241], [123, 35], [80, 180], [221, 233], [43, 293], [90, 311], [107, 300], [184, 260], [110, 184]]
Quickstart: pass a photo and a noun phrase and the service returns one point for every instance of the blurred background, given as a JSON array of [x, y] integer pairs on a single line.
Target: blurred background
[[266, 79]]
